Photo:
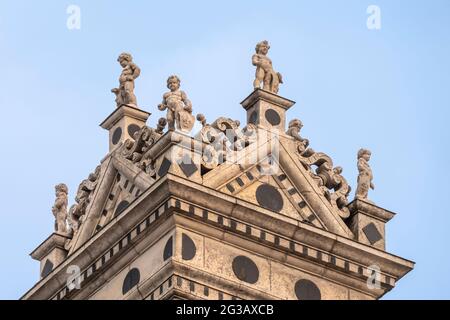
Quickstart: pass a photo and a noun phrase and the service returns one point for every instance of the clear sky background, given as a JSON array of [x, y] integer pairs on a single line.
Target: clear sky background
[[387, 90]]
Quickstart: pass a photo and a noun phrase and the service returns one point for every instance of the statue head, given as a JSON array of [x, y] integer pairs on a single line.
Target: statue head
[[364, 153], [124, 59], [262, 47], [295, 123], [61, 188], [173, 82]]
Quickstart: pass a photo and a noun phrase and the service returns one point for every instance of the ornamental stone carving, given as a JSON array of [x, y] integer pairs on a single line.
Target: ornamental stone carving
[[264, 70]]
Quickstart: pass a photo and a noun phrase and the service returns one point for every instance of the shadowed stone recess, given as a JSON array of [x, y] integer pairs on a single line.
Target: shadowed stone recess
[[269, 197], [164, 168], [121, 207], [372, 233], [48, 267], [168, 249], [188, 249], [307, 290], [245, 269], [117, 134], [131, 280]]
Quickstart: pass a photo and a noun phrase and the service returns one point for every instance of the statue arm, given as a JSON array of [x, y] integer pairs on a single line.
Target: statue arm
[[255, 60], [163, 105], [187, 102], [136, 71]]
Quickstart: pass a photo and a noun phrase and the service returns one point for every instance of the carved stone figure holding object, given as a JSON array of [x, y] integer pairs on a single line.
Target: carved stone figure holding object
[[264, 70], [59, 209], [365, 174], [130, 72], [179, 108]]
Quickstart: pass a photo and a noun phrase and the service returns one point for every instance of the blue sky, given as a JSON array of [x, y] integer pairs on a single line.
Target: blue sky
[[387, 90]]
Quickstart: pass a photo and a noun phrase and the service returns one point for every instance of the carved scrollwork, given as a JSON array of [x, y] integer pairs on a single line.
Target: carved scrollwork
[[137, 151], [82, 199], [333, 185], [222, 139]]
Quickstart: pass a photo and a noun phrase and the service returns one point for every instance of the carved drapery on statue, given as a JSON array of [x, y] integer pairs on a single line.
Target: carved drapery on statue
[[333, 185]]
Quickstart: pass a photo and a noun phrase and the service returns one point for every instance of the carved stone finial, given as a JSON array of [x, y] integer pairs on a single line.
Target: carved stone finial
[[365, 174], [202, 119], [179, 108], [59, 209], [130, 72], [264, 70], [162, 122]]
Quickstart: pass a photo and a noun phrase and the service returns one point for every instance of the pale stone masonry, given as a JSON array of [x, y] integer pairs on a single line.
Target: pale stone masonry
[[230, 212]]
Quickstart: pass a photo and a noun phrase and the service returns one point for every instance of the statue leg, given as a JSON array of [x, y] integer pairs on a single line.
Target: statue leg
[[259, 77], [170, 119], [129, 93], [268, 81]]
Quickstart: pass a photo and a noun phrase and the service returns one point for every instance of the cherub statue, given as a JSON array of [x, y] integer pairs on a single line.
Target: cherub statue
[[365, 174], [264, 71], [59, 209], [125, 92], [179, 108]]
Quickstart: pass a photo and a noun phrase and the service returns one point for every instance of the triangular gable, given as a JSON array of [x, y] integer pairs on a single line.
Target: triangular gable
[[292, 181], [120, 183], [273, 192]]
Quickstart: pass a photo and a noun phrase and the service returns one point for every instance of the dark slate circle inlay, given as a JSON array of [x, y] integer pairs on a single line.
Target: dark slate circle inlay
[[253, 117], [121, 207], [188, 249], [117, 134], [168, 249], [372, 233], [269, 197], [131, 280], [307, 290], [132, 129], [245, 269], [48, 267], [273, 117], [164, 168]]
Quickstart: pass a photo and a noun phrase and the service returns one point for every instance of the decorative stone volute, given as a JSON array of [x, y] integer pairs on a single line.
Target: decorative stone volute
[[123, 123], [266, 109]]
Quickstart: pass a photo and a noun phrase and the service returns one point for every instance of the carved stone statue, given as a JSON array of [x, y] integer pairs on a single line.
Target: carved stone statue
[[365, 174], [59, 209], [125, 92], [179, 108], [264, 71]]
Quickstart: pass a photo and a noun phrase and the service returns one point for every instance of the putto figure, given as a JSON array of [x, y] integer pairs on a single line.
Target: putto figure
[[59, 209], [130, 72], [179, 108], [365, 174], [264, 70]]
